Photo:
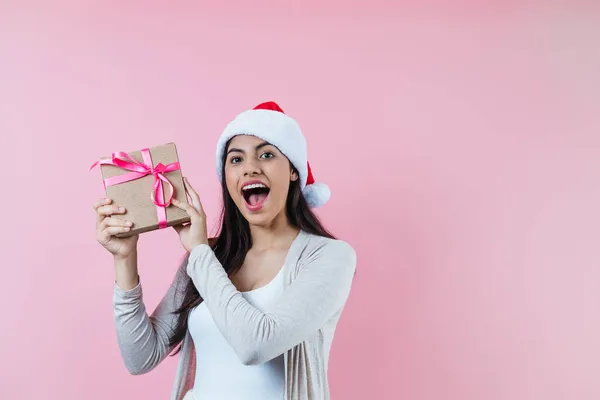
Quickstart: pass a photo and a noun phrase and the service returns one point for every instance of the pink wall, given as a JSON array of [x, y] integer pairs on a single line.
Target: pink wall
[[470, 189]]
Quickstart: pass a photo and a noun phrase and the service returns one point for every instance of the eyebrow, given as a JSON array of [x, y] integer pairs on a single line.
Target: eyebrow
[[257, 147]]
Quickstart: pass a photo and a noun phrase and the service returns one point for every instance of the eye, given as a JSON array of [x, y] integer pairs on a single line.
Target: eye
[[235, 160], [267, 154]]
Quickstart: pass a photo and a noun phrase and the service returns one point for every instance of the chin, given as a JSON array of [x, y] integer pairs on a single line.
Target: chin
[[259, 220]]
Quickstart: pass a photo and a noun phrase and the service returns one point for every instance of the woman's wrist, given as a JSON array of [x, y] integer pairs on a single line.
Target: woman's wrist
[[126, 271]]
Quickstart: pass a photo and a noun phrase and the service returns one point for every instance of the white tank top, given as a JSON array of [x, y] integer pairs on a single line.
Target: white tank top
[[219, 372]]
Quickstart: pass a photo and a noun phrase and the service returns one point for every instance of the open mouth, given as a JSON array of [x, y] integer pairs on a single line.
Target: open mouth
[[255, 194]]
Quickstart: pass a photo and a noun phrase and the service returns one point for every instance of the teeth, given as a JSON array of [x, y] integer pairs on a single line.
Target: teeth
[[254, 186]]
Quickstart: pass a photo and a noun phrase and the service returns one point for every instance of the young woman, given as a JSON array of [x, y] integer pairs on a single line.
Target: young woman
[[253, 311]]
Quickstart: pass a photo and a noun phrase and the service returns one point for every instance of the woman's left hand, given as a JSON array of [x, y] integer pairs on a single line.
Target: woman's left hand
[[194, 233]]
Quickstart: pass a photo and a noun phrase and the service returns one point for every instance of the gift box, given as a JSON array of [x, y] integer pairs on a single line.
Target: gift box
[[145, 182]]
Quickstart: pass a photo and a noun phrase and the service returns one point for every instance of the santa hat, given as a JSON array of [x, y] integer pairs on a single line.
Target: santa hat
[[268, 122]]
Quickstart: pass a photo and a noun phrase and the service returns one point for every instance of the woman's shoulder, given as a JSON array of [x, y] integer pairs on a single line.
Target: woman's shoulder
[[321, 247], [330, 244]]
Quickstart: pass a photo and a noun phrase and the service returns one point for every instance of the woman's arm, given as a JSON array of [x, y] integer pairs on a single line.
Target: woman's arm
[[143, 339], [319, 291]]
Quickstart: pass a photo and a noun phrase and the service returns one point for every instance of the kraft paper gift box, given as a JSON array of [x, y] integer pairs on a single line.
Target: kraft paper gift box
[[143, 182]]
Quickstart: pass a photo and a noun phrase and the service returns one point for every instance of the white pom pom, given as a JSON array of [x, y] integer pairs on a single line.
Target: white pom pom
[[316, 194]]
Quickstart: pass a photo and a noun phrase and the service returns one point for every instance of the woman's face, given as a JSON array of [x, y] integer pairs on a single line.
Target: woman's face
[[258, 178]]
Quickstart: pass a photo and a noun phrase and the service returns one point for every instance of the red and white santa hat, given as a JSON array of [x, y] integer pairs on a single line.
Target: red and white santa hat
[[268, 122]]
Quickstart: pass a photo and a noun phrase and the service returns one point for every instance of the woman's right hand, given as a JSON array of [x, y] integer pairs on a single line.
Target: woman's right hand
[[107, 226]]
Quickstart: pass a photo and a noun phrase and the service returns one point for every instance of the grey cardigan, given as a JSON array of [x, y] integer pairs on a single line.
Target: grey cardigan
[[318, 274]]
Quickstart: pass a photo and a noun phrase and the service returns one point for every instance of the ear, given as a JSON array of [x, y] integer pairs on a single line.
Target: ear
[[293, 176]]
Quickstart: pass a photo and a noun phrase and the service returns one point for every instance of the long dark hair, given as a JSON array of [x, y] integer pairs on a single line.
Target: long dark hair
[[234, 240]]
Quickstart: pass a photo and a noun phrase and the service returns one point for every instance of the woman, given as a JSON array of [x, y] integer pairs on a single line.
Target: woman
[[252, 311]]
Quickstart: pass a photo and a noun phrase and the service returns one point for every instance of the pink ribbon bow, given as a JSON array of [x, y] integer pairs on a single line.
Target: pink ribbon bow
[[139, 170]]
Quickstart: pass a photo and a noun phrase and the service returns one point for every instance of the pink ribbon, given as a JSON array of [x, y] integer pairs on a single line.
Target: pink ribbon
[[139, 170]]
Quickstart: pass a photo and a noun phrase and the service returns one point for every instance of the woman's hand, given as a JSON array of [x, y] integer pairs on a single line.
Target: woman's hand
[[194, 233], [107, 225]]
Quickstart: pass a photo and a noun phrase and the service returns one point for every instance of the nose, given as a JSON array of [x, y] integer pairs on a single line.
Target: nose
[[251, 168]]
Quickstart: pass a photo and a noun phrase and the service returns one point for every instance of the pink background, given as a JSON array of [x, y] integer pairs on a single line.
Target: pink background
[[461, 144]]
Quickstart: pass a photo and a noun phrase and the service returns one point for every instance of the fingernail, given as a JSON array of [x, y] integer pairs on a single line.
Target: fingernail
[[129, 223], [121, 209]]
